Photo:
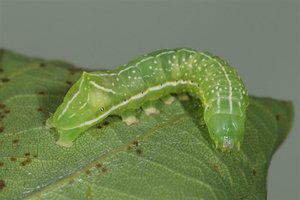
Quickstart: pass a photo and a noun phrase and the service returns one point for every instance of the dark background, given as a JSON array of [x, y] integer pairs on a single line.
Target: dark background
[[261, 39]]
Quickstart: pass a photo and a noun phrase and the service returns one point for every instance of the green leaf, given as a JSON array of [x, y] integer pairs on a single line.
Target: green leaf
[[168, 156]]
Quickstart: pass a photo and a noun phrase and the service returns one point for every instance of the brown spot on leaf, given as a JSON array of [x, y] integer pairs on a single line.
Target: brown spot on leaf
[[4, 80], [99, 165], [254, 172], [104, 169], [87, 171], [15, 141], [27, 154], [72, 71], [135, 142], [35, 156], [2, 184], [1, 129], [98, 126], [2, 106], [6, 111], [13, 159], [40, 109], [25, 162], [216, 167], [105, 123], [1, 164], [42, 64], [128, 148], [139, 151]]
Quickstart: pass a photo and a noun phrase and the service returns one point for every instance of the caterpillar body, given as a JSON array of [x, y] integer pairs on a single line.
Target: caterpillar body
[[205, 76]]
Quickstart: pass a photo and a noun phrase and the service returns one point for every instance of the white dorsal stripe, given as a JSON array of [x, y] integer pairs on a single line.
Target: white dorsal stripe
[[187, 50], [227, 78], [138, 96], [165, 52], [229, 86], [133, 66], [101, 87]]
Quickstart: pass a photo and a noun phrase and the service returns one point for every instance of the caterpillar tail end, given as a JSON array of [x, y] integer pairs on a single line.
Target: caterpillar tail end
[[227, 144]]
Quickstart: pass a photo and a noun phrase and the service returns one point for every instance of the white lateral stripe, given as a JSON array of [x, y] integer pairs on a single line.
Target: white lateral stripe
[[138, 96], [102, 88], [72, 99]]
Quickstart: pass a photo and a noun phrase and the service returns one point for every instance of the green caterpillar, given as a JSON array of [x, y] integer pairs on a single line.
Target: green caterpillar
[[97, 95]]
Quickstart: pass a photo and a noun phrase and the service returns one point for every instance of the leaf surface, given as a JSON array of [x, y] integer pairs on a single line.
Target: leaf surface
[[168, 156]]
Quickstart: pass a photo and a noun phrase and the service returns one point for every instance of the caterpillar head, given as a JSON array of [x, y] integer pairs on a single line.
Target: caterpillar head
[[226, 130], [82, 104]]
